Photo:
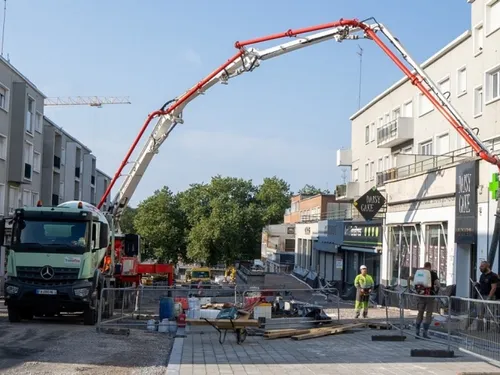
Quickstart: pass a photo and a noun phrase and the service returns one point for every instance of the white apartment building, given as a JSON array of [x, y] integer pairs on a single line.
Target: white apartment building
[[410, 152], [102, 183], [69, 168]]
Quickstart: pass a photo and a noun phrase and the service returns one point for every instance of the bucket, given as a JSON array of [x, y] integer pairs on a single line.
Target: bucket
[[194, 303], [178, 309], [172, 327], [151, 325], [163, 327]]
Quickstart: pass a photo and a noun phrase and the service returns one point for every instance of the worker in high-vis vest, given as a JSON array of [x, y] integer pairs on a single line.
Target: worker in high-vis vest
[[364, 285]]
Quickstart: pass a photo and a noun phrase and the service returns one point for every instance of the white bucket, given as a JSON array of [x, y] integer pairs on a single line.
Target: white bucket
[[151, 325], [172, 328], [193, 303], [163, 327]]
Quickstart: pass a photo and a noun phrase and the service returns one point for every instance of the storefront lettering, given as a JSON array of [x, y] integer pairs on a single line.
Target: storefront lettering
[[464, 191]]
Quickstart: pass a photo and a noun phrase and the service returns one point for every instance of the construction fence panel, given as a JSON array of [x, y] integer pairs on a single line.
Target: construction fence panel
[[475, 324], [292, 308], [134, 307]]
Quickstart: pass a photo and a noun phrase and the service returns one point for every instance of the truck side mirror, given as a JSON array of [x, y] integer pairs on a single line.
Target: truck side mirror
[[2, 231], [103, 236]]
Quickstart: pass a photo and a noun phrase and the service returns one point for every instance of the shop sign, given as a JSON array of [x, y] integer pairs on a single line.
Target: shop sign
[[466, 203], [363, 234], [370, 203]]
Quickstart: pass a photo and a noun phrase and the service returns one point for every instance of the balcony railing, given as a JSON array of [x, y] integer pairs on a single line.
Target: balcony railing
[[57, 162], [55, 199], [341, 190], [395, 132], [350, 213], [426, 163], [27, 171], [92, 180], [77, 172]]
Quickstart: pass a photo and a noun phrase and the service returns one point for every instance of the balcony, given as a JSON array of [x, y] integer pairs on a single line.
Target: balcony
[[92, 180], [57, 162], [347, 192], [55, 199], [344, 158], [395, 132], [77, 172], [27, 171]]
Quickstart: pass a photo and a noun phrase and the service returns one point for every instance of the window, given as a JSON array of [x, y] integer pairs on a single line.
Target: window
[[380, 122], [478, 39], [407, 150], [493, 15], [2, 199], [408, 109], [461, 81], [426, 148], [380, 166], [445, 87], [36, 162], [355, 175], [387, 162], [404, 252], [34, 198], [30, 115], [387, 118], [367, 134], [14, 198], [4, 98], [3, 147], [39, 122], [372, 131], [493, 84], [396, 113], [28, 160], [63, 156], [436, 244], [443, 144], [372, 171], [424, 105], [26, 198], [478, 101], [367, 172]]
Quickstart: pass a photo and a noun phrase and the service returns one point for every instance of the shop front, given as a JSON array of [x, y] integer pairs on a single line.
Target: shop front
[[362, 245], [329, 264]]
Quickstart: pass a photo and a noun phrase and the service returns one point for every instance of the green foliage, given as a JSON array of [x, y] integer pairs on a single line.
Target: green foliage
[[312, 190], [127, 220], [210, 223], [161, 223]]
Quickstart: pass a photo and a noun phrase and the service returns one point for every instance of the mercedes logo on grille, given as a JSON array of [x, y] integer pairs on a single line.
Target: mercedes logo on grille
[[47, 272]]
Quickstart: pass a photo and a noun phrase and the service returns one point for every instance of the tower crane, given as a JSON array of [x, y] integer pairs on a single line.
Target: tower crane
[[93, 101], [248, 58]]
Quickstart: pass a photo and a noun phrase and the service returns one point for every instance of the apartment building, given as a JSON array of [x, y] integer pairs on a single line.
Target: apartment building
[[69, 168], [21, 113], [315, 207], [102, 183], [278, 247], [418, 161]]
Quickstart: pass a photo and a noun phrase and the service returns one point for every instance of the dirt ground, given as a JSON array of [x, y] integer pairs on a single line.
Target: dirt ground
[[67, 347]]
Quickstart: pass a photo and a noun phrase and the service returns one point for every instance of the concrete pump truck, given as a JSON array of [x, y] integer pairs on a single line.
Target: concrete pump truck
[[58, 255]]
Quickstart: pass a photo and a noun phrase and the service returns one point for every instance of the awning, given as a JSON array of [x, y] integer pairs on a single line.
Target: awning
[[363, 249], [326, 246]]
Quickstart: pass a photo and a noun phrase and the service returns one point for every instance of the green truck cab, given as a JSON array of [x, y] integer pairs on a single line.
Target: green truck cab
[[54, 260]]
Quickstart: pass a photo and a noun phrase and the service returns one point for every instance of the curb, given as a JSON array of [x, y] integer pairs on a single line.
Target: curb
[[174, 362]]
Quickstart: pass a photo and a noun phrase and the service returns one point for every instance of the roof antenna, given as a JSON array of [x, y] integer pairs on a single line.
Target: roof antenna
[[3, 25]]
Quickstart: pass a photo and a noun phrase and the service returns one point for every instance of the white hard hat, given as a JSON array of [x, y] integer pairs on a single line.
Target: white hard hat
[[363, 267]]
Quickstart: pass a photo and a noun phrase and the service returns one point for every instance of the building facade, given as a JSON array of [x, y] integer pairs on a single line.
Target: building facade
[[416, 159], [307, 208], [102, 183], [278, 247], [21, 129]]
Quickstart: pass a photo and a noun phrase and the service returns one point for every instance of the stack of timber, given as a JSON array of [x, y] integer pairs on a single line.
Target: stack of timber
[[305, 334]]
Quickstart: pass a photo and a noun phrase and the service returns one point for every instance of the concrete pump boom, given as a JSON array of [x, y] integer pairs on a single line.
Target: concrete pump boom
[[247, 59]]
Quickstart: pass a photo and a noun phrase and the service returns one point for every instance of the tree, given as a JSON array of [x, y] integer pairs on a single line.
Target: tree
[[127, 220], [274, 198], [162, 225], [224, 220], [312, 190]]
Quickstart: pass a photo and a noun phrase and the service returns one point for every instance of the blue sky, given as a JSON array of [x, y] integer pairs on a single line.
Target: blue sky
[[287, 118]]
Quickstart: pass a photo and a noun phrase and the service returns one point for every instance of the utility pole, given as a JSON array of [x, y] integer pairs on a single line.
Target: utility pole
[[3, 24], [360, 53]]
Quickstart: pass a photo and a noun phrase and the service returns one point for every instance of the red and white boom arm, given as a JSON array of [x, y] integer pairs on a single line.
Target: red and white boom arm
[[247, 59]]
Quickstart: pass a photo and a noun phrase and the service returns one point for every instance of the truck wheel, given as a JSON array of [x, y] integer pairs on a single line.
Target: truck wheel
[[14, 315], [89, 317]]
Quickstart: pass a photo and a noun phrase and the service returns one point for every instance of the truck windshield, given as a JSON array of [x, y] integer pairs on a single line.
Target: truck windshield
[[200, 275], [52, 236]]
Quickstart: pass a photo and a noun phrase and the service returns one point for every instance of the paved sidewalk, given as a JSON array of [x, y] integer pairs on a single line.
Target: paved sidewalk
[[349, 353]]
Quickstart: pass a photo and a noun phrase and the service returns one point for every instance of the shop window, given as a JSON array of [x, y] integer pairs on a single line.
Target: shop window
[[404, 252], [436, 245]]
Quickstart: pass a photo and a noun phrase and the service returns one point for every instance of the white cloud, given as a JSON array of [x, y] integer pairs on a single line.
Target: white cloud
[[192, 57]]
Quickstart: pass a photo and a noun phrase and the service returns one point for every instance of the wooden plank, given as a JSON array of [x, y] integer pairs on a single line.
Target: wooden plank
[[281, 335], [321, 332]]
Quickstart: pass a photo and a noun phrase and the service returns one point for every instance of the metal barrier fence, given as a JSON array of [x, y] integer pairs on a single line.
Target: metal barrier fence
[[475, 325]]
